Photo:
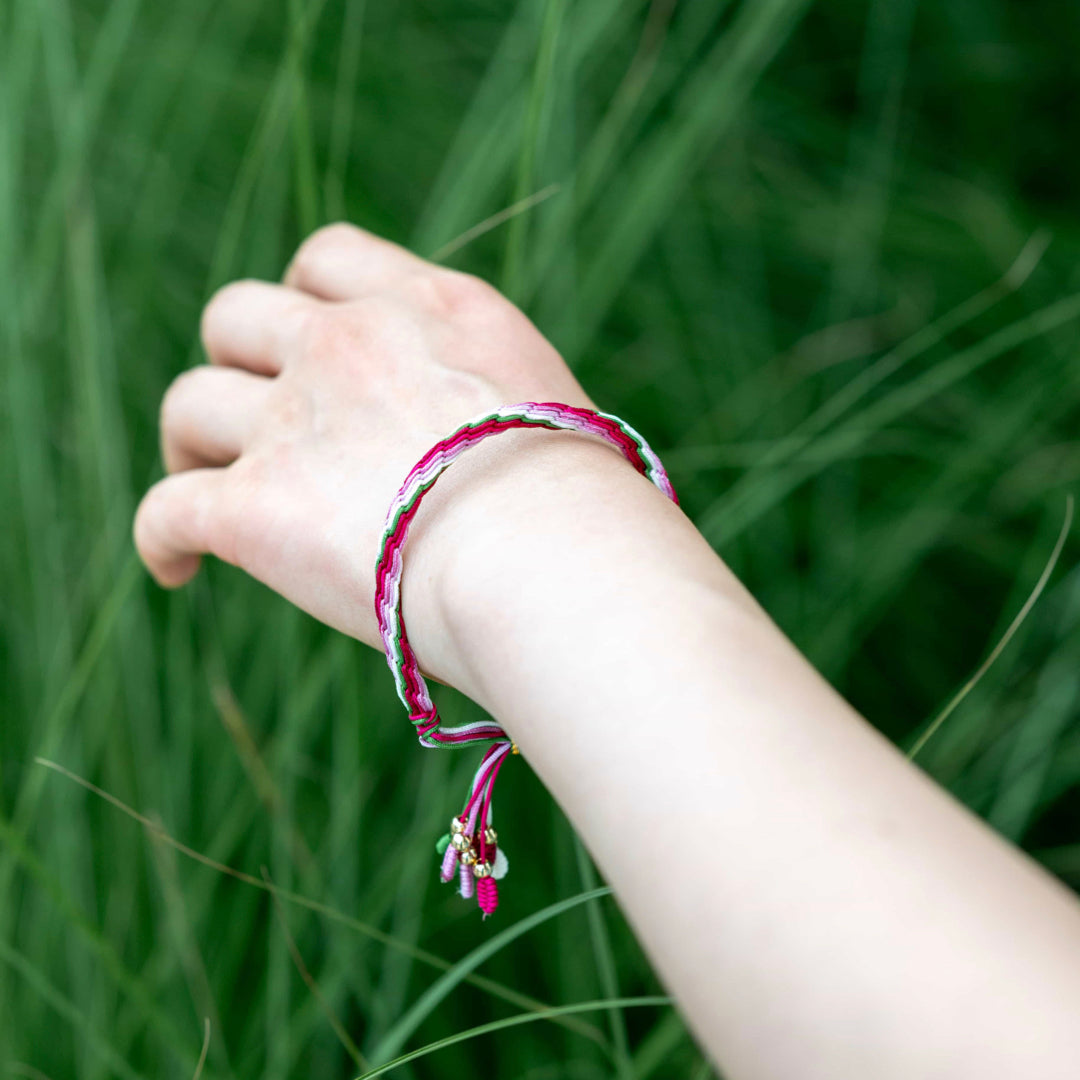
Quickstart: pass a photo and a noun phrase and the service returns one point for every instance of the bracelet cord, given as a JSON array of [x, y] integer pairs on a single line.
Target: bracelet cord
[[470, 851]]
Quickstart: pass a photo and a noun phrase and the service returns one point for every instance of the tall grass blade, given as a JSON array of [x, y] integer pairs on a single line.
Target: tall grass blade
[[1037, 590], [515, 1021], [442, 987]]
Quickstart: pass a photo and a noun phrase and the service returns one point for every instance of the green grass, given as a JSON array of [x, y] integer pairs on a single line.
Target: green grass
[[823, 256]]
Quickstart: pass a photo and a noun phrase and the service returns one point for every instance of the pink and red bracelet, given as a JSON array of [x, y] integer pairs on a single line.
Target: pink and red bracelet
[[470, 851]]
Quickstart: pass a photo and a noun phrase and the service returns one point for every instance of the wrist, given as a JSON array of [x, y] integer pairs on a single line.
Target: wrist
[[522, 539], [477, 529]]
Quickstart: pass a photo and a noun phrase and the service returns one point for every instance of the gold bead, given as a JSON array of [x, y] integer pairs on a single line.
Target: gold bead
[[490, 835], [482, 870], [468, 857], [460, 842], [457, 825]]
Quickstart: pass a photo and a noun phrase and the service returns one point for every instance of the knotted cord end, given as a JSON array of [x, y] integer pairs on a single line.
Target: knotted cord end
[[487, 895], [472, 852]]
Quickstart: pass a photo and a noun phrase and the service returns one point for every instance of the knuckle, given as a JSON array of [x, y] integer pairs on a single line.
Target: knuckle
[[344, 331], [327, 333], [456, 293], [323, 240], [287, 410], [248, 475], [293, 318], [176, 398], [226, 537], [217, 306], [246, 519]]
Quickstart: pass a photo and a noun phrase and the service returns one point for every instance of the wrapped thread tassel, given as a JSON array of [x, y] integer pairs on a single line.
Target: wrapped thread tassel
[[487, 892], [487, 895], [449, 863], [468, 881], [471, 842]]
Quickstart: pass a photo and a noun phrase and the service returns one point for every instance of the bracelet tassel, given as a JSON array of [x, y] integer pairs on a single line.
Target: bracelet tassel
[[470, 850]]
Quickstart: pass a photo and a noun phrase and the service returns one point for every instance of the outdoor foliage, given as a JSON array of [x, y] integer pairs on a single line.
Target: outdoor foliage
[[823, 256]]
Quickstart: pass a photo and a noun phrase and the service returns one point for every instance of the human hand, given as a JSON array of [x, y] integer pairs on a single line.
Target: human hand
[[321, 393]]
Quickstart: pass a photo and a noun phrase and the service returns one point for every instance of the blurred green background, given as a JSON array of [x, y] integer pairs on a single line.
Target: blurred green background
[[823, 256]]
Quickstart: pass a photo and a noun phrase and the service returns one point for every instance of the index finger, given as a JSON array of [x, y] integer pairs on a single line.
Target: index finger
[[255, 325]]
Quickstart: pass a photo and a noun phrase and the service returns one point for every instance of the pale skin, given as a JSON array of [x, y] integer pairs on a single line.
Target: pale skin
[[818, 907]]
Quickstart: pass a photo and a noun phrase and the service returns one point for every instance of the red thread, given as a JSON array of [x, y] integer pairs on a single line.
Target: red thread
[[487, 895], [486, 806]]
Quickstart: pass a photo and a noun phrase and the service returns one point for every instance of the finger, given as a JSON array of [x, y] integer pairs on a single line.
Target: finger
[[255, 325], [179, 519], [208, 415], [342, 262]]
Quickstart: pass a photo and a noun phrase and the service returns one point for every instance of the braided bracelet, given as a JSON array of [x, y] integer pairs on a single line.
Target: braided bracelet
[[470, 851]]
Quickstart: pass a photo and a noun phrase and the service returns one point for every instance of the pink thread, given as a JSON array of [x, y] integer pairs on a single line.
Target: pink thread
[[470, 822], [487, 806], [489, 764], [487, 895], [468, 881], [449, 863]]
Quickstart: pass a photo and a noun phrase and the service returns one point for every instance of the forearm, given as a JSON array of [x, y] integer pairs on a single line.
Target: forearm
[[819, 906]]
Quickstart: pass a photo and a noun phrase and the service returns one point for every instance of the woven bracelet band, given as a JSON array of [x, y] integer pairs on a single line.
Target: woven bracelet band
[[470, 851]]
